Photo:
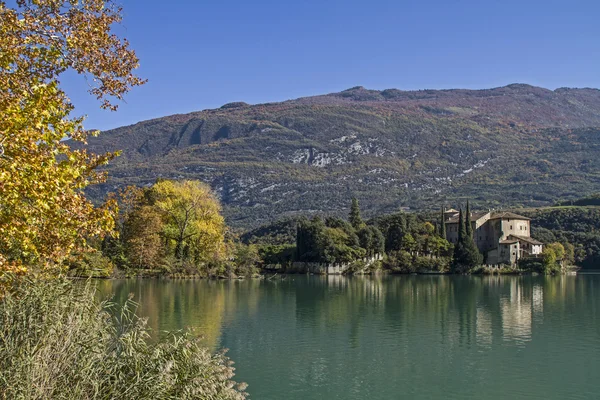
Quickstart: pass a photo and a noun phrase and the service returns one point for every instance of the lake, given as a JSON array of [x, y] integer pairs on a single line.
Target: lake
[[413, 337]]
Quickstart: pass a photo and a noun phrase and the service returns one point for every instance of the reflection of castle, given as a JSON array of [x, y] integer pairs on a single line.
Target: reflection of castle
[[519, 306], [504, 237], [516, 313]]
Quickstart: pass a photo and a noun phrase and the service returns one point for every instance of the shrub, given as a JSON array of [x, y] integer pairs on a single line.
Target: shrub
[[91, 264], [58, 342]]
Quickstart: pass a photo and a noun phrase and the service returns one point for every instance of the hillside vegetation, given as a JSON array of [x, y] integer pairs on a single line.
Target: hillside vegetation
[[578, 225], [516, 146]]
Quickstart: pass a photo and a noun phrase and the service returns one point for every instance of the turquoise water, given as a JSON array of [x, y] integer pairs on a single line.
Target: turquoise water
[[410, 337]]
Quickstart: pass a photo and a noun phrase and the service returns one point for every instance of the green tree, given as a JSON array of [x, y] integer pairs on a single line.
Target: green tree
[[466, 255], [553, 257], [365, 238], [354, 216], [409, 243], [569, 253], [351, 235], [393, 228], [246, 259], [468, 223], [442, 224], [317, 242], [378, 241]]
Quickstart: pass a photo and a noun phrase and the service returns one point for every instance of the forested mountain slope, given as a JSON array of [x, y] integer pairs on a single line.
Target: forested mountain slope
[[517, 145]]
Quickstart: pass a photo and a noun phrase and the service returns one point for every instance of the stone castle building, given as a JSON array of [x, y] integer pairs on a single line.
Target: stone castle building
[[502, 237]]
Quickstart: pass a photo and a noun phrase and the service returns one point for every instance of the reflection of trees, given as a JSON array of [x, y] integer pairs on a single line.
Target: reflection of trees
[[310, 330], [178, 305], [455, 310]]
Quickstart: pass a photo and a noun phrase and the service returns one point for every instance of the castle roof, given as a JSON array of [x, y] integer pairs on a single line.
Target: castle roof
[[474, 217], [508, 215], [509, 241], [526, 239]]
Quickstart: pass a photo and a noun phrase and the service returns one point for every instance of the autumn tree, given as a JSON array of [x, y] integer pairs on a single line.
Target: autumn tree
[[552, 257], [44, 214], [192, 218], [142, 237]]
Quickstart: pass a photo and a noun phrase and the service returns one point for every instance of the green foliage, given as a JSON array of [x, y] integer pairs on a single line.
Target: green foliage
[[319, 242], [280, 232], [276, 256], [371, 239], [576, 226], [354, 217], [591, 200], [403, 262], [246, 259], [58, 342], [466, 254], [468, 225], [91, 263], [553, 257], [442, 224]]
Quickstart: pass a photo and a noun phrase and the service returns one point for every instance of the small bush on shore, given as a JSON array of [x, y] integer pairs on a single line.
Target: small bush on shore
[[58, 342]]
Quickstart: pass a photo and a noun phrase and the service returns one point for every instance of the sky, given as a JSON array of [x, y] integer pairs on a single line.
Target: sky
[[202, 54]]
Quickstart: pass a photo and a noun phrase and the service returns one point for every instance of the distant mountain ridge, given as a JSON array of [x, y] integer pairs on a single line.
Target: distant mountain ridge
[[510, 146]]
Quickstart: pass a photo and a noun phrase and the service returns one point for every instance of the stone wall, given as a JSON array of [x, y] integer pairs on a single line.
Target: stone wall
[[331, 268]]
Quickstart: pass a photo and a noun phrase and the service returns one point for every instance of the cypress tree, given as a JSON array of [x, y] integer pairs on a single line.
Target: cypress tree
[[466, 254], [462, 231], [354, 216], [299, 241], [469, 229], [443, 224]]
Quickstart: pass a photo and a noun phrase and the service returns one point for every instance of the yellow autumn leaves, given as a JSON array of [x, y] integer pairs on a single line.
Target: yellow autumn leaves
[[172, 223], [44, 215]]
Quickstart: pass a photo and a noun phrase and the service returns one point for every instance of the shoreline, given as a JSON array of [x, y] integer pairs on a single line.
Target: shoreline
[[271, 276]]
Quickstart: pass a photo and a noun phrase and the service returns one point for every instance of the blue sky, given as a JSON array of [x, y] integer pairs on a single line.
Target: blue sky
[[203, 54]]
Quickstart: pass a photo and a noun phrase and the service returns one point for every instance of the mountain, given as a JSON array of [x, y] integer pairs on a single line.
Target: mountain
[[517, 145]]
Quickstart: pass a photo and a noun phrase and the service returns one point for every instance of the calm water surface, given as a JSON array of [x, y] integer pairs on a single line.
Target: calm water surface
[[412, 337]]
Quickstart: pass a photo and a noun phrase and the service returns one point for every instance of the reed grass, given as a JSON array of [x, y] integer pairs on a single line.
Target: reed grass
[[57, 341]]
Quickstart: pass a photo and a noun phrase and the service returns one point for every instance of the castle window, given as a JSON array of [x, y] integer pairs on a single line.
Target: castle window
[[511, 227]]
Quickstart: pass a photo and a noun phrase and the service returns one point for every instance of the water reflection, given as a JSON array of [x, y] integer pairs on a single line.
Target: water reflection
[[457, 310], [364, 337], [516, 313]]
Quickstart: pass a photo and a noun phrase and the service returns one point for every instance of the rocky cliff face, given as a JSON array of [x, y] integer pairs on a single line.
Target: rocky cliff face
[[515, 145]]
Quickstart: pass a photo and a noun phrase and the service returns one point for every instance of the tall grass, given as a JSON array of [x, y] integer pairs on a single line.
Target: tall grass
[[58, 342]]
